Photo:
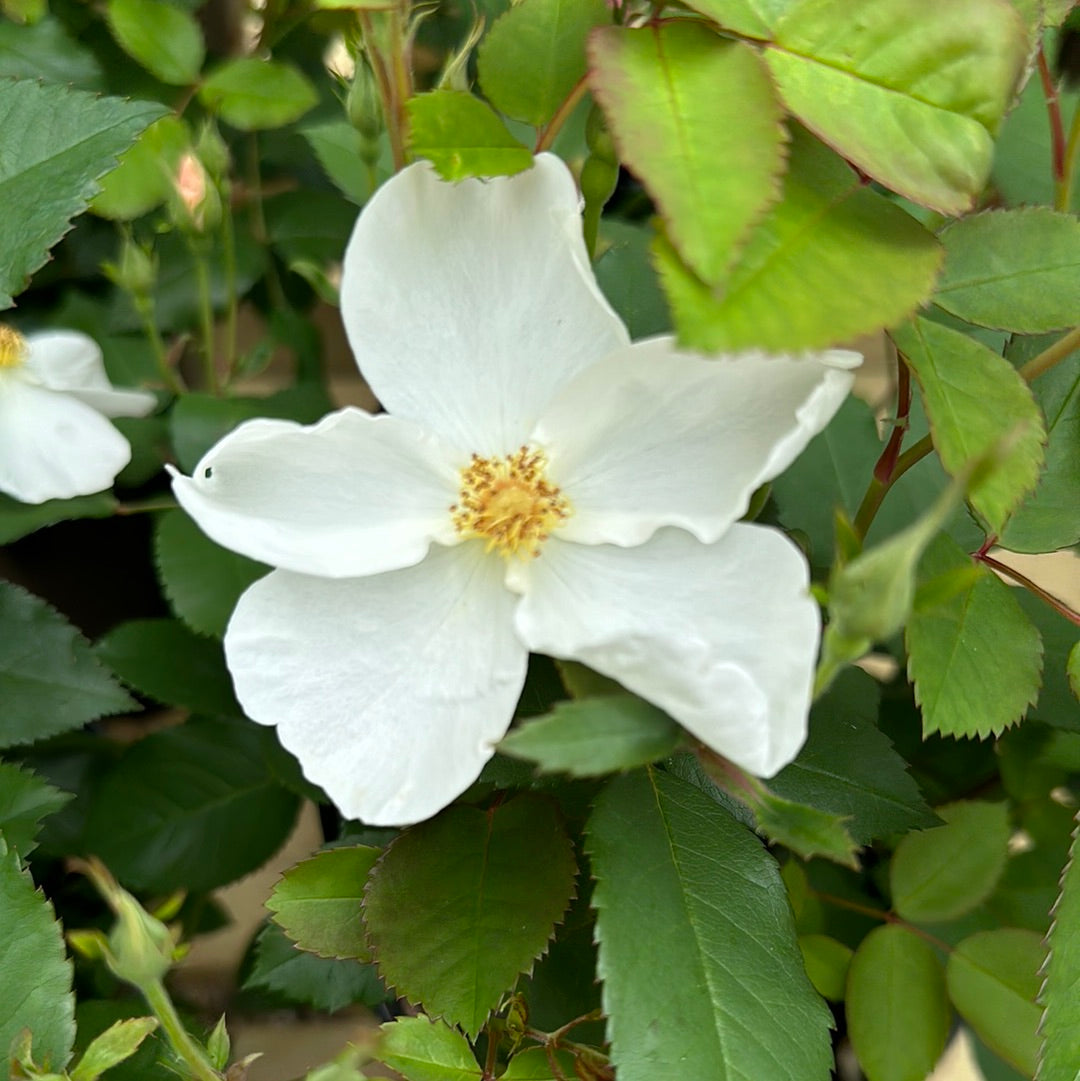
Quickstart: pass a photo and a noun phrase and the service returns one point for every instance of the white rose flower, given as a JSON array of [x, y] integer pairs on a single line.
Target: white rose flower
[[55, 440], [539, 484]]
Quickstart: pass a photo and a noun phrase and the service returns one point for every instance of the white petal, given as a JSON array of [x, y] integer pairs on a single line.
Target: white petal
[[722, 636], [468, 305], [53, 446], [390, 690], [69, 361], [349, 496], [651, 437]]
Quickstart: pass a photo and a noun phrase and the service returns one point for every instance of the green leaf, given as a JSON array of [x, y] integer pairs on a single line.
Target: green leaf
[[592, 736], [1015, 270], [848, 766], [911, 91], [534, 1065], [754, 18], [1057, 704], [50, 681], [462, 137], [534, 54], [993, 978], [974, 398], [93, 1017], [697, 945], [162, 659], [626, 277], [318, 902], [897, 1011], [191, 807], [827, 962], [976, 659], [144, 177], [253, 94], [833, 259], [1072, 668], [306, 980], [48, 52], [115, 1045], [695, 117], [494, 885], [424, 1050], [164, 38], [66, 140], [25, 800], [1049, 518], [18, 519], [941, 873], [337, 146], [201, 580], [804, 829], [35, 992], [200, 420], [1060, 1026]]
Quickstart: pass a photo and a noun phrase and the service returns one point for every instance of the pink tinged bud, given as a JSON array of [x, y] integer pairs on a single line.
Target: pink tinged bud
[[191, 185]]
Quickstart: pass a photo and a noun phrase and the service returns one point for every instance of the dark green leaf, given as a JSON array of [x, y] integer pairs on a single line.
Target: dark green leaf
[[685, 106], [897, 1012], [66, 140], [833, 259], [202, 580], [1014, 270], [337, 146], [50, 681], [191, 807], [806, 830], [592, 736], [307, 225], [200, 420], [626, 277], [25, 800], [35, 992], [165, 39], [848, 766], [911, 91], [1060, 1026], [1072, 669], [494, 885], [46, 51], [534, 1065], [1050, 517], [941, 873], [306, 980], [1057, 704], [697, 944], [162, 659], [424, 1050], [976, 659], [463, 137], [318, 902], [17, 519], [253, 94], [993, 978], [533, 55], [975, 398], [827, 962]]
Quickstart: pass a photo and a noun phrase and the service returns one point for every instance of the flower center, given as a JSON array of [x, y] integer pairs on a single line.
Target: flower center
[[12, 347], [509, 503]]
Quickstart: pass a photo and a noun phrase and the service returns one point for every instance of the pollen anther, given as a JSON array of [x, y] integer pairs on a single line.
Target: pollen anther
[[12, 347], [509, 503]]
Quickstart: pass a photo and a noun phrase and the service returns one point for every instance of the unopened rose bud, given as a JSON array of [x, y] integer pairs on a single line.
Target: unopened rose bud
[[199, 203]]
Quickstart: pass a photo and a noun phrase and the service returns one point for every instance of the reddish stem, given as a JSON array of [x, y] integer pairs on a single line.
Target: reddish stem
[[1053, 109], [1059, 606], [883, 471]]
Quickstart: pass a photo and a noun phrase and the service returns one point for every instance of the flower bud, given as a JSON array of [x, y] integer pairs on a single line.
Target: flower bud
[[197, 206], [362, 104], [598, 137], [135, 271]]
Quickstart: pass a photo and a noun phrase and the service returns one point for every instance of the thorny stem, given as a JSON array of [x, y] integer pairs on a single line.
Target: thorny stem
[[228, 237], [1053, 355], [206, 319], [883, 915], [547, 134], [887, 462], [145, 307], [258, 223], [392, 112], [1072, 151], [878, 489], [187, 1049], [1059, 606], [148, 506], [490, 1061], [1057, 131]]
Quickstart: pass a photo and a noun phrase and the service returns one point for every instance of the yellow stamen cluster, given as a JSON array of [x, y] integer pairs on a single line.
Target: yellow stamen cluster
[[509, 503], [12, 347]]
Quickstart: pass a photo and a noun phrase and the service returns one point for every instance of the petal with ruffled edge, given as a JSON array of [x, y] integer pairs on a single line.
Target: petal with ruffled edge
[[653, 437], [53, 446], [722, 636], [68, 361], [353, 495], [468, 305], [390, 690]]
